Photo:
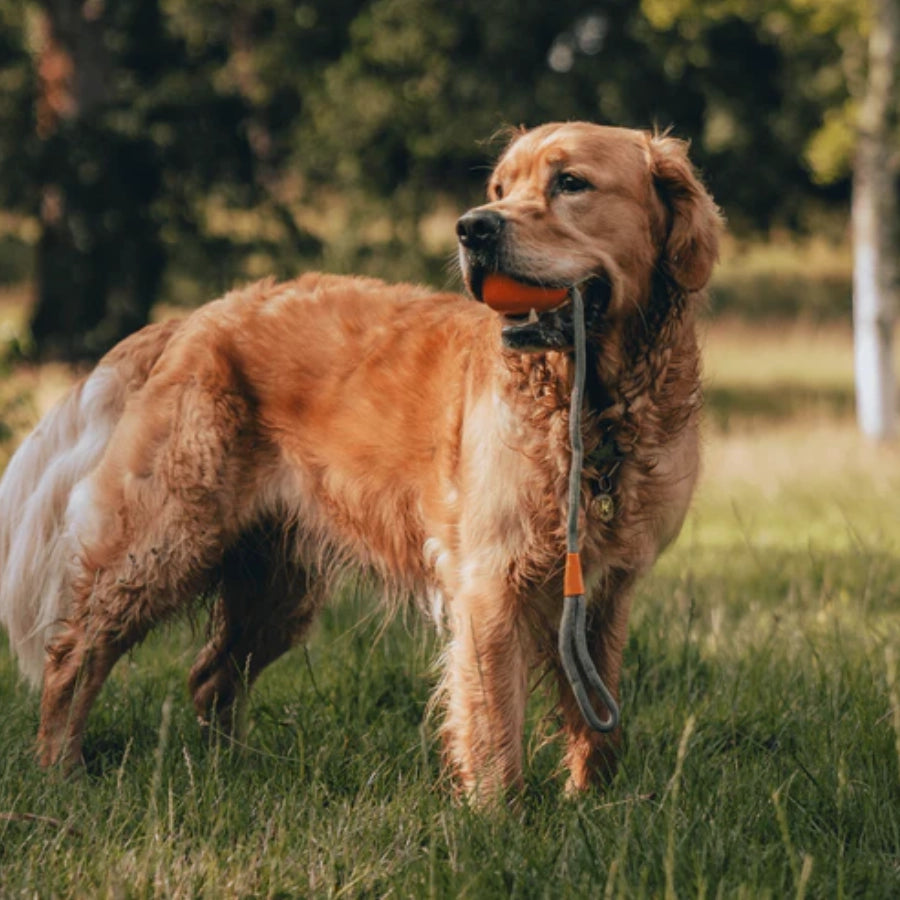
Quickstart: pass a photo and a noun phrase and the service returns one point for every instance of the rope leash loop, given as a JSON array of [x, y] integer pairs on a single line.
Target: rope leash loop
[[573, 650]]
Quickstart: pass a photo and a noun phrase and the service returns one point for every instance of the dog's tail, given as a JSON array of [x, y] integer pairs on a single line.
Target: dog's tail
[[35, 546]]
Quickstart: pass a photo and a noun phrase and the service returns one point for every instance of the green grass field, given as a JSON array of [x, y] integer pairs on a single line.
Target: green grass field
[[761, 703]]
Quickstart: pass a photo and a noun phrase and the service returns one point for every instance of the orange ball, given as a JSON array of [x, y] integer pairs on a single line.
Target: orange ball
[[507, 295]]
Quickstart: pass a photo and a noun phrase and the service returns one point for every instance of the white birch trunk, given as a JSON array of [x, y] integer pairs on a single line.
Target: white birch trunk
[[876, 230]]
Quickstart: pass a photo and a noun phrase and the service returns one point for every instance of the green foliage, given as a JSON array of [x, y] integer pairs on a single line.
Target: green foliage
[[17, 107], [830, 150], [821, 46], [332, 131]]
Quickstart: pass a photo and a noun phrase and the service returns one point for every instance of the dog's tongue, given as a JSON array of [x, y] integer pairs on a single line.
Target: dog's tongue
[[506, 295]]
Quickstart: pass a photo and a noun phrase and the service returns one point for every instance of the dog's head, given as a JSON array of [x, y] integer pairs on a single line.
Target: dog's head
[[577, 204]]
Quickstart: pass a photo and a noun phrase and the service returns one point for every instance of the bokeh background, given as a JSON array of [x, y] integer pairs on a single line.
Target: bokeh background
[[158, 151]]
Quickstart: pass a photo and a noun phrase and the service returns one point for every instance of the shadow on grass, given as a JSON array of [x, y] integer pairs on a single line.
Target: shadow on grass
[[726, 406]]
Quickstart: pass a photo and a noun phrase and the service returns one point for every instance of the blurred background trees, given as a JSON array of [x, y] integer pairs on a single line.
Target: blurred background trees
[[166, 149]]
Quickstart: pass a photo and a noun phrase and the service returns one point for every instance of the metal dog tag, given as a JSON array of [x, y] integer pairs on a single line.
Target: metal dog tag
[[603, 508]]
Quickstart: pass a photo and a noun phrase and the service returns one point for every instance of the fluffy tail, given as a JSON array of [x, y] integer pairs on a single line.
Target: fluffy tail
[[35, 545]]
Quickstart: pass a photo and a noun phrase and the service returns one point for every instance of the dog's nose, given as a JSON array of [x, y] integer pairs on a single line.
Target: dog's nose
[[479, 228]]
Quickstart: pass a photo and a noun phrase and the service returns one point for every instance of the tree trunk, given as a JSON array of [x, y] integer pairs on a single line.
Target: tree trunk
[[99, 256], [876, 228]]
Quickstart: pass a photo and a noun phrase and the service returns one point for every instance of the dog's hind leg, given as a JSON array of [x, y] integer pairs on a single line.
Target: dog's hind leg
[[78, 661], [141, 563], [591, 757], [264, 608], [149, 528], [110, 615]]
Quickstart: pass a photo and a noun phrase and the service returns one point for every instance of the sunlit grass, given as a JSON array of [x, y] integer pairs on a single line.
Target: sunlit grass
[[782, 370], [14, 308], [783, 277], [767, 354]]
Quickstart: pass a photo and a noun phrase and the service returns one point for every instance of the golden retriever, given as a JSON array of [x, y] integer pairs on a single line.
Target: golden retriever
[[285, 431]]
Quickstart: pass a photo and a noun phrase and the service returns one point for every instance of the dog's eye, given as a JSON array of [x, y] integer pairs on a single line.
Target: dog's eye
[[567, 183], [497, 190]]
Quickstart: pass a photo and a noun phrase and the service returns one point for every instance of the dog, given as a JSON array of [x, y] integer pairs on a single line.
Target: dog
[[275, 436]]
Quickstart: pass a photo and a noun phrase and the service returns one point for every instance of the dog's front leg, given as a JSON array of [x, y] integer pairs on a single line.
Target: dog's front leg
[[591, 757], [485, 688]]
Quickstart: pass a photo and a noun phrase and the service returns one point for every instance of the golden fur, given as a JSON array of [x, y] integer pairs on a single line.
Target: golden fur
[[286, 429]]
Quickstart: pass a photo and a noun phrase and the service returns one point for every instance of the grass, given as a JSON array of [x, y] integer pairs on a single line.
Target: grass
[[783, 277], [760, 693]]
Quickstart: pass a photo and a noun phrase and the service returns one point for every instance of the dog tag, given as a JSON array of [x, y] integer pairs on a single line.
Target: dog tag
[[603, 507]]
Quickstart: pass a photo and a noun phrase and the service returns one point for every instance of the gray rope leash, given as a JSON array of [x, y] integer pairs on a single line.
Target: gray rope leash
[[573, 650]]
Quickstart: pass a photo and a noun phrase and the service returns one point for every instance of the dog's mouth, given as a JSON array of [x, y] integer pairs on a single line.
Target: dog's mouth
[[532, 332], [549, 329]]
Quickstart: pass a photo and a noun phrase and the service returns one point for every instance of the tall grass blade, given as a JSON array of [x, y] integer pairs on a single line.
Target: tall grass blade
[[674, 790]]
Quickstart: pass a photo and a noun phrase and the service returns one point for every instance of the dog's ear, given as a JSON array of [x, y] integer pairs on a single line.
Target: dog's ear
[[692, 244]]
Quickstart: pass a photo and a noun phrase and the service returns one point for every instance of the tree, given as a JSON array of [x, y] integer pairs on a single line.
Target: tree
[[876, 228], [99, 256], [145, 116], [177, 145], [400, 114]]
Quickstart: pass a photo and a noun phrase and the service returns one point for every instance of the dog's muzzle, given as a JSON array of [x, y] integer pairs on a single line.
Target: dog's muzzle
[[483, 236]]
